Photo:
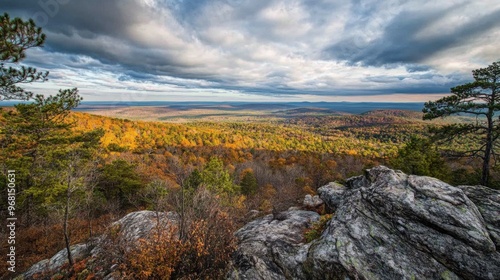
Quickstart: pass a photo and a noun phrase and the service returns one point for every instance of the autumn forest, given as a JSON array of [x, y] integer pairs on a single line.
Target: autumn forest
[[111, 166]]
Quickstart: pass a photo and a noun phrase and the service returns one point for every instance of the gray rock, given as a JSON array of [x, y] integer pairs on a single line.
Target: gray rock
[[271, 248], [139, 224], [125, 231], [488, 203], [387, 225], [332, 194], [312, 201], [39, 267], [78, 252]]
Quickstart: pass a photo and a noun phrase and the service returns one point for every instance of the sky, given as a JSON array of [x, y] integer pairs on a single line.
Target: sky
[[260, 50]]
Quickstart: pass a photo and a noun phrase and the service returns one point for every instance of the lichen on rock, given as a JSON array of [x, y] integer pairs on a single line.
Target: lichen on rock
[[387, 225]]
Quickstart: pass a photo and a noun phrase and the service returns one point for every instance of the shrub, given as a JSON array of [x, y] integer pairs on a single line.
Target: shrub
[[154, 258], [203, 254], [317, 228]]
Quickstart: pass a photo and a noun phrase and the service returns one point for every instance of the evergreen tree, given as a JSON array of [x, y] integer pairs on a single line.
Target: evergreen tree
[[480, 98], [17, 36], [194, 180], [119, 180], [420, 157], [248, 182], [52, 159], [74, 165], [30, 135], [216, 178]]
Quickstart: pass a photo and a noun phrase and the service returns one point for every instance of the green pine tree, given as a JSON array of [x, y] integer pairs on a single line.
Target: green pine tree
[[216, 178], [480, 98], [420, 157], [248, 183], [17, 36]]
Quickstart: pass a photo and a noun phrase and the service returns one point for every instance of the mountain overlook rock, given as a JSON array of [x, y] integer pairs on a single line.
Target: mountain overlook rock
[[386, 225]]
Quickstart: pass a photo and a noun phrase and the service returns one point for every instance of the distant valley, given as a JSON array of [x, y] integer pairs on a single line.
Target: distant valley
[[183, 112]]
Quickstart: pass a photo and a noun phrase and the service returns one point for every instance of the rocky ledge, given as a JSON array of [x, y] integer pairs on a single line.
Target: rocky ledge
[[123, 233], [386, 225]]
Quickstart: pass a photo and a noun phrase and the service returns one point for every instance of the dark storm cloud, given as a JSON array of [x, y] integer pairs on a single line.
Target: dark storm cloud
[[95, 28], [400, 42], [109, 17]]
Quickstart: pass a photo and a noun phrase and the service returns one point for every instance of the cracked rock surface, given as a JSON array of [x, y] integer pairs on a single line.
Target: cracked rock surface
[[387, 225]]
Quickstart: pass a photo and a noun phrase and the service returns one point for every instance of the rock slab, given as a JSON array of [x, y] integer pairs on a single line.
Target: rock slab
[[125, 231], [387, 225]]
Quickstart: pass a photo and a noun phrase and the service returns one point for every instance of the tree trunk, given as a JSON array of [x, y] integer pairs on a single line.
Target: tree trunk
[[485, 175], [89, 218], [182, 222], [65, 227]]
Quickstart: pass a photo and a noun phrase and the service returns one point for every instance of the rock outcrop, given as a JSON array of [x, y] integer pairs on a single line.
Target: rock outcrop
[[272, 247], [78, 251], [387, 225], [332, 194], [124, 232]]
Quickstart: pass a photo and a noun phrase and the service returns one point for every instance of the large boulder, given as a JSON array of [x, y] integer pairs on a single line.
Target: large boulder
[[488, 203], [123, 233], [387, 225], [139, 224], [272, 247], [78, 252], [332, 194]]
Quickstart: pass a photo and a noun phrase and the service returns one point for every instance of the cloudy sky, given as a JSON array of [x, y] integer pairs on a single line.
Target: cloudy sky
[[261, 50]]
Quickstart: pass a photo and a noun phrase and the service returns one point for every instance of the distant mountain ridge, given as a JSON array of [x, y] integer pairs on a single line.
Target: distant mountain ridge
[[339, 107], [395, 113], [347, 107]]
